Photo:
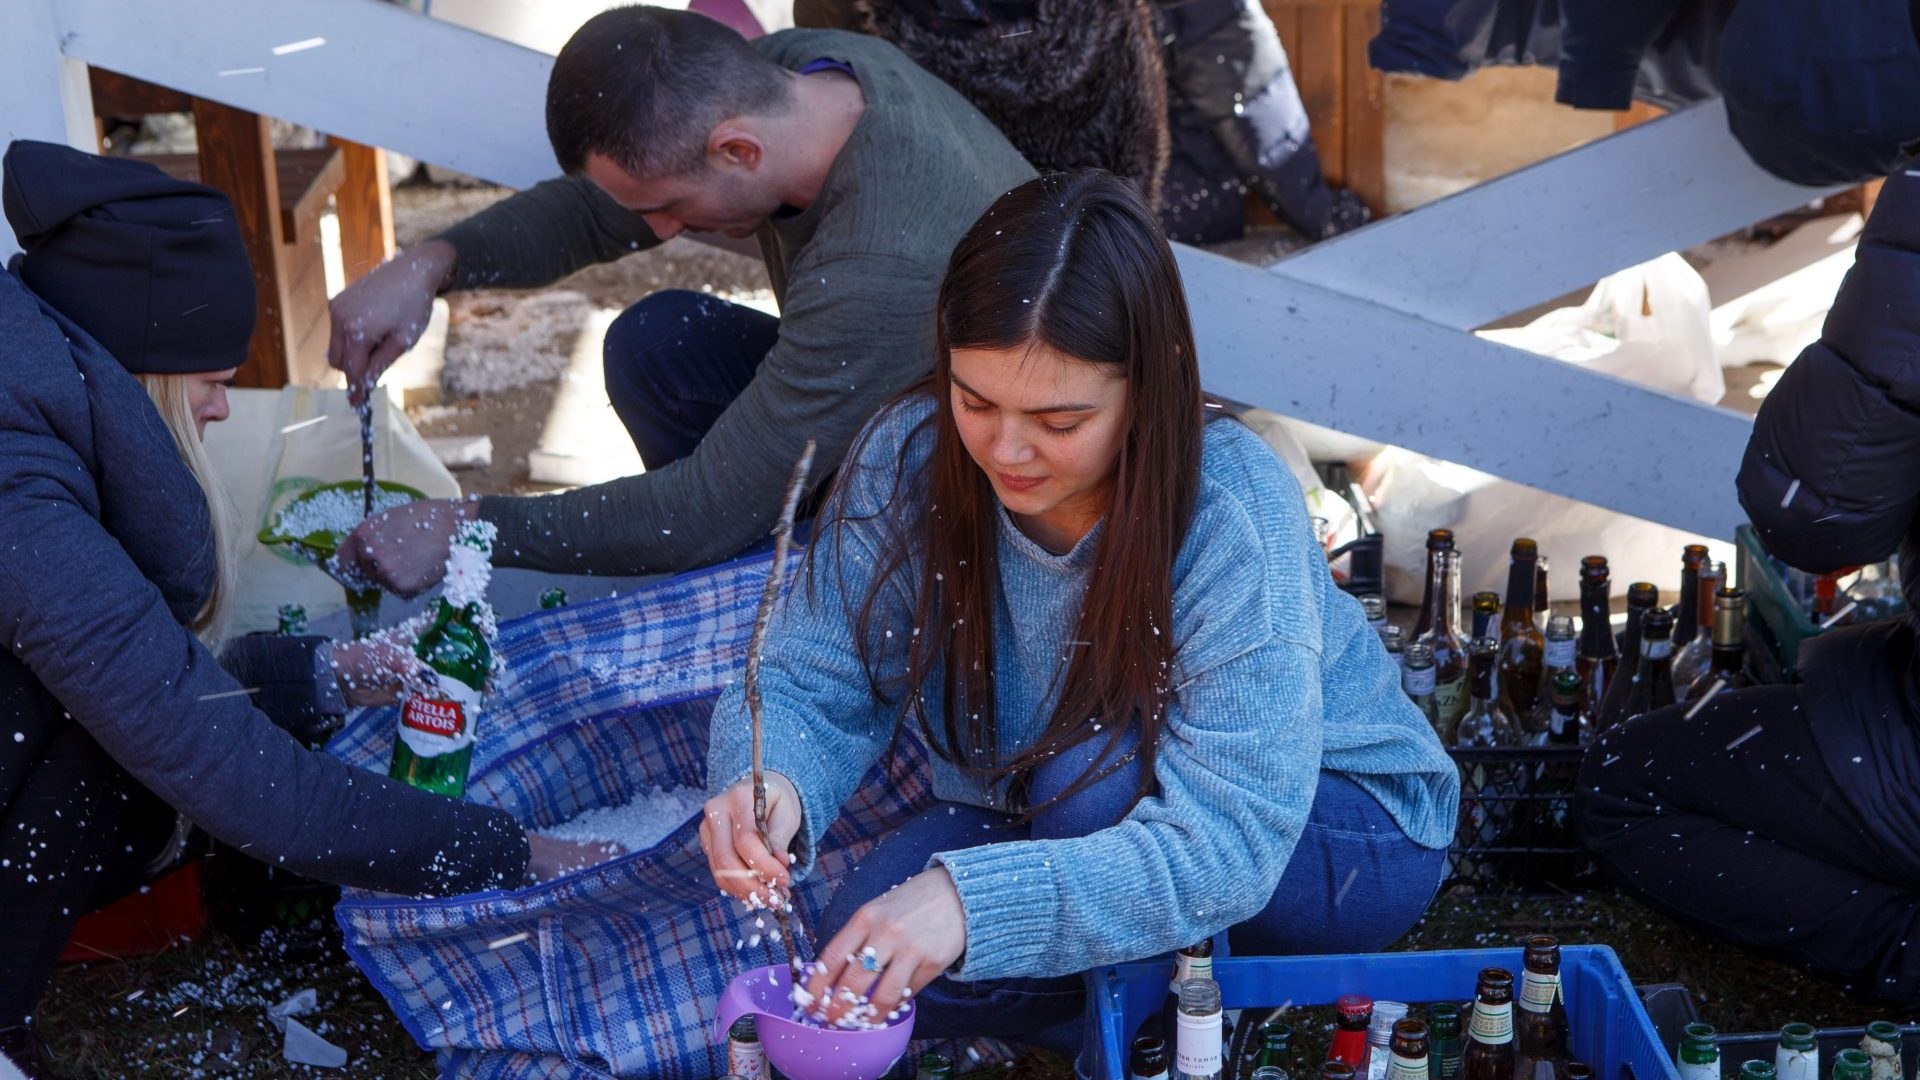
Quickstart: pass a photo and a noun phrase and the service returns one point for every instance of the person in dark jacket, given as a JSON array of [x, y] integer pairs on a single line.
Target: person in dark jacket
[[1817, 93], [1787, 818], [115, 719], [1192, 100]]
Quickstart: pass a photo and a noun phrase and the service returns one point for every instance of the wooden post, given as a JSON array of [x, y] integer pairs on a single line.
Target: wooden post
[[1366, 112], [1319, 69], [364, 207], [236, 156]]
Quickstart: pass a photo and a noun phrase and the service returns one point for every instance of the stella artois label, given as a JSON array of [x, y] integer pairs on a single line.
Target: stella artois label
[[1493, 1023], [432, 725]]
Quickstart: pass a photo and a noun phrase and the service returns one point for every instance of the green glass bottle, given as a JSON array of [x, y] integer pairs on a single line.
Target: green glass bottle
[[293, 620], [1798, 1055], [1276, 1048], [935, 1067], [1443, 1040], [1852, 1064], [1882, 1046], [433, 745], [1757, 1070], [555, 597], [1698, 1055]]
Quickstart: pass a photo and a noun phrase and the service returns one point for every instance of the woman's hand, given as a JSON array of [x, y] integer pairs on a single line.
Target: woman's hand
[[380, 670], [891, 948], [548, 858], [743, 866]]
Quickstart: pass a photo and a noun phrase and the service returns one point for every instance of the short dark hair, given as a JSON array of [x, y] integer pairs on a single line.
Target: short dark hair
[[645, 86]]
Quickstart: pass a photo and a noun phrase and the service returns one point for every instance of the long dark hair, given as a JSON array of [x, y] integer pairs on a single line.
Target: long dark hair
[[1074, 262]]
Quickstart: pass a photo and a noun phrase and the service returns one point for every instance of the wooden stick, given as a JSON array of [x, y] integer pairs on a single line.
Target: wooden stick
[[782, 541]]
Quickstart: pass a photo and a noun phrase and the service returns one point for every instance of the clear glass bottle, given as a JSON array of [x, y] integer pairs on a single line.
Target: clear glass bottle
[[1380, 1037], [1197, 1046], [1487, 722], [1558, 657], [1449, 648], [1690, 658], [1417, 681]]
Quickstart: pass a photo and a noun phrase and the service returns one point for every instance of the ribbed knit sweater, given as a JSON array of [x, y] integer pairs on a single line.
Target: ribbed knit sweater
[[1276, 677]]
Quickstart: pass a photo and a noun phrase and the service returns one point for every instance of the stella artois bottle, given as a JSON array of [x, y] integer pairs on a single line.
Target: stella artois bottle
[[434, 742]]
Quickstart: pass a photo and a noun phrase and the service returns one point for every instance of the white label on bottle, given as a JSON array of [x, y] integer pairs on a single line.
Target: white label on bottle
[[1450, 700], [1560, 653], [432, 726], [748, 1060], [1406, 1068], [1199, 1044], [1796, 1064], [1417, 682], [1538, 991], [1710, 1070], [1493, 1023]]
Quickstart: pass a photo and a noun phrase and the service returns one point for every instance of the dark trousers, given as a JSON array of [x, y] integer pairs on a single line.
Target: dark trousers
[[675, 361], [1739, 823], [77, 833], [1355, 883]]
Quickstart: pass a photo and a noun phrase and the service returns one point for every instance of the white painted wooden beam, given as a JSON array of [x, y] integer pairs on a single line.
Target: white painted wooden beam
[[1557, 225], [43, 95], [386, 76], [1314, 354]]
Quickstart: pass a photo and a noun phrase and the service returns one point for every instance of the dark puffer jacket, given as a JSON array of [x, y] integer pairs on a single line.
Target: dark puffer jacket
[[1831, 477], [105, 552]]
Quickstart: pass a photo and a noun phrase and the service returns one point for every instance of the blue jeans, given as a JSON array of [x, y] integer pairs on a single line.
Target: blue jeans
[[675, 361], [1355, 883]]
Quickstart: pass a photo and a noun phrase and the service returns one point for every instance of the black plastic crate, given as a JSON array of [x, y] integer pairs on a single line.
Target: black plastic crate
[[1516, 829], [1672, 1007]]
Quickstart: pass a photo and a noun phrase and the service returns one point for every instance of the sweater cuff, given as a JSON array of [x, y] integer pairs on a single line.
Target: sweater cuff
[[1012, 907], [507, 515], [1588, 86]]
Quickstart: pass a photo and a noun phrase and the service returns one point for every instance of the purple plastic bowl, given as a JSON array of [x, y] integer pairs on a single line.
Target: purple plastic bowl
[[801, 1051]]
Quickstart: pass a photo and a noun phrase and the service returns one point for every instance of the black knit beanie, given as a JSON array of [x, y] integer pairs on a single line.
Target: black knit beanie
[[152, 267]]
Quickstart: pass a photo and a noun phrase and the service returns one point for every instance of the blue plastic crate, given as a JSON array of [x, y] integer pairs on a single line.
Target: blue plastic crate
[[1610, 1028]]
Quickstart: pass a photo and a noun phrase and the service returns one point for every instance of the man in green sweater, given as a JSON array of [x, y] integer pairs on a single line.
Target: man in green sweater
[[854, 169]]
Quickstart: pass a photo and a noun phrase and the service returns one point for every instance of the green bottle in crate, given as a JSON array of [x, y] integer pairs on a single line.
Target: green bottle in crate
[[433, 743], [1698, 1055], [1852, 1065], [1798, 1055], [1882, 1046], [1443, 1040]]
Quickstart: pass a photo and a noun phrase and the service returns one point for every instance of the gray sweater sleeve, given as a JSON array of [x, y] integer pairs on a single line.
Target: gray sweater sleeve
[[290, 681], [852, 335], [542, 234], [76, 611]]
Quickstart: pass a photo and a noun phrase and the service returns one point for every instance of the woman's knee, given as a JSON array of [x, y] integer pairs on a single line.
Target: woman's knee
[[1099, 804]]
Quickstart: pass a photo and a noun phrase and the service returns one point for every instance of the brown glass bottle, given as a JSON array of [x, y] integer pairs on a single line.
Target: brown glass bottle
[[1687, 615], [1642, 597], [1652, 685], [1729, 665], [1438, 540], [1540, 1021], [1450, 690], [1489, 1053], [1597, 658], [1486, 615], [1409, 1051], [1542, 599], [1521, 644], [1690, 658]]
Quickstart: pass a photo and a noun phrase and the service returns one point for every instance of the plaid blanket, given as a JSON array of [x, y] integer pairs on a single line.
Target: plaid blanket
[[613, 971]]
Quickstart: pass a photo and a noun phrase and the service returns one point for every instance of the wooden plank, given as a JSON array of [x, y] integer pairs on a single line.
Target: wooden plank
[[1638, 113], [1286, 22], [364, 207], [236, 151], [129, 98], [1315, 354], [308, 179], [1320, 72], [1366, 113], [1555, 226]]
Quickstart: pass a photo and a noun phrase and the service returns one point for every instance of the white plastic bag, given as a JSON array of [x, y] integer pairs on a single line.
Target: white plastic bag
[[1649, 324], [279, 443]]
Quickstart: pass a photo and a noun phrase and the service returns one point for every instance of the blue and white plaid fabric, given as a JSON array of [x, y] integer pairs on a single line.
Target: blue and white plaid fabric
[[613, 971]]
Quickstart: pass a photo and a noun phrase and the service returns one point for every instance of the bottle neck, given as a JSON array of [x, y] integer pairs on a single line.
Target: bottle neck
[[1520, 580], [1656, 652], [1443, 592], [1686, 622], [1596, 631]]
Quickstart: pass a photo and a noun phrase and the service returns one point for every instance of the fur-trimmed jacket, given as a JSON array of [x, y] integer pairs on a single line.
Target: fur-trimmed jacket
[[1072, 83]]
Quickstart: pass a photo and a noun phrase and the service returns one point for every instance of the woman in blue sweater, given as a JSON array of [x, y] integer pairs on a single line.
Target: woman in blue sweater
[[1153, 718]]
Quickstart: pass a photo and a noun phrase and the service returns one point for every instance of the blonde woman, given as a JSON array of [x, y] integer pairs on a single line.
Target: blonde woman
[[115, 719]]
